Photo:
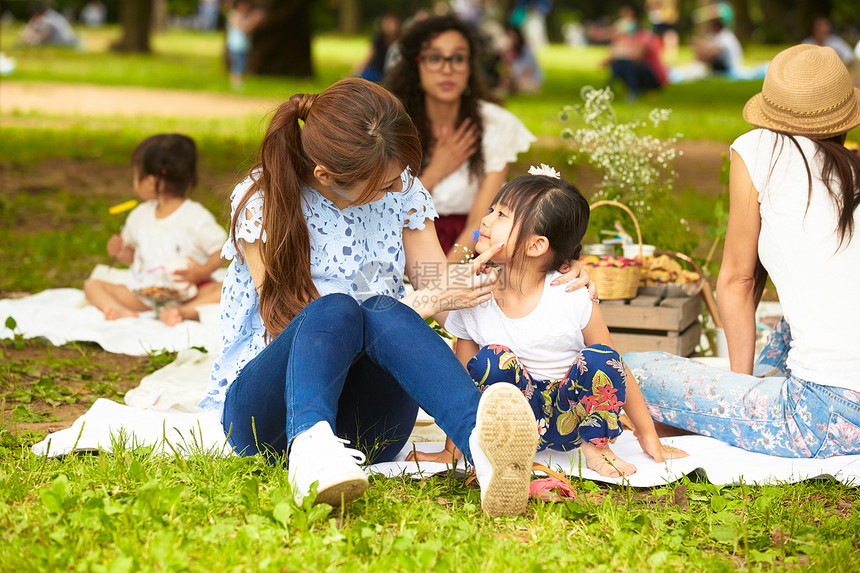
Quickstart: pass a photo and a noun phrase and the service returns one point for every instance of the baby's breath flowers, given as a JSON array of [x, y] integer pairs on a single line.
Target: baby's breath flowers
[[636, 168]]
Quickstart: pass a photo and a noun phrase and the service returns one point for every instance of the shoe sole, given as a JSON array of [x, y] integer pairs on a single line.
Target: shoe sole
[[343, 491], [507, 434]]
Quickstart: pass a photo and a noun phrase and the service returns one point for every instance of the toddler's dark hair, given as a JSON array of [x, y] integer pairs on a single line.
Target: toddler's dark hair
[[171, 158], [550, 207]]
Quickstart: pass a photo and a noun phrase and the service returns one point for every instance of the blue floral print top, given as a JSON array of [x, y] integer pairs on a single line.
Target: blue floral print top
[[356, 251]]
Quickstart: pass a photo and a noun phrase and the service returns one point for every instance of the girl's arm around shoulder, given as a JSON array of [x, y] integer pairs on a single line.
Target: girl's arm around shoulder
[[596, 332]]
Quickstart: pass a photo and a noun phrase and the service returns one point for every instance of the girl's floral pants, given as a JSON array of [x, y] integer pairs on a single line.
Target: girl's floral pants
[[584, 405], [771, 412]]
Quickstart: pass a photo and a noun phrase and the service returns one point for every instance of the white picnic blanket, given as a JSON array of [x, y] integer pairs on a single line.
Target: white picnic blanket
[[62, 315], [108, 422], [162, 412]]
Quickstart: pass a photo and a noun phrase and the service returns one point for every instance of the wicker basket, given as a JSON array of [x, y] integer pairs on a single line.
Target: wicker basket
[[615, 283]]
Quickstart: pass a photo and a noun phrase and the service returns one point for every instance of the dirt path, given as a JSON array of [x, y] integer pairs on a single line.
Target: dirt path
[[85, 99], [698, 166]]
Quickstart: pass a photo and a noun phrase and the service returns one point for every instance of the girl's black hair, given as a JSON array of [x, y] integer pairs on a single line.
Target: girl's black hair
[[171, 158], [549, 207], [403, 80]]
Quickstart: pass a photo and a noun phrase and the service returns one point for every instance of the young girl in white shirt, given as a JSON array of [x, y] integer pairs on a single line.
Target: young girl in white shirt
[[171, 243], [554, 346]]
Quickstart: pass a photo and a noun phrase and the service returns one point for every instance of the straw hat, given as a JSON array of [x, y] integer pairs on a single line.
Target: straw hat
[[807, 91]]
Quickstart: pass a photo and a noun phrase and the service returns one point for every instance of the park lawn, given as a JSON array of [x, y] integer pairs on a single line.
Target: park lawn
[[35, 142], [193, 60], [132, 510]]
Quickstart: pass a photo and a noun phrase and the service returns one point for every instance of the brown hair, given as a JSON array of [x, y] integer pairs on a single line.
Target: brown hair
[[169, 157], [357, 131]]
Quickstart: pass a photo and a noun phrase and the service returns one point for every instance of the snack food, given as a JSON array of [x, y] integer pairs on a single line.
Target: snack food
[[607, 261], [158, 293], [666, 270]]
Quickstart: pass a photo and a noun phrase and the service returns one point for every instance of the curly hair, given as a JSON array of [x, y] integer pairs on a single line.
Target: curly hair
[[403, 80]]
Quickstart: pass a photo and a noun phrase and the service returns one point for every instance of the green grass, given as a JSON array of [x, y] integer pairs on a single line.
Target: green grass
[[180, 60], [133, 510], [61, 223]]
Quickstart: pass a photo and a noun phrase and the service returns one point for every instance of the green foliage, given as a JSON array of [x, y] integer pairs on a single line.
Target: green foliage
[[23, 413], [137, 510], [159, 359], [438, 328], [636, 169]]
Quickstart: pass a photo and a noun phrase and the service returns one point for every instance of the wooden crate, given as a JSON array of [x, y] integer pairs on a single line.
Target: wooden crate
[[649, 322]]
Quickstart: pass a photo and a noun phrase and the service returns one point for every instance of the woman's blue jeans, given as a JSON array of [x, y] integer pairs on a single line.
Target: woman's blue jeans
[[364, 368]]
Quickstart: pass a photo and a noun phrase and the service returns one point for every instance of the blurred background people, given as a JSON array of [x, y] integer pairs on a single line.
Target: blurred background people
[[207, 14], [241, 21], [663, 17], [374, 66], [520, 69], [634, 55], [47, 27], [94, 13], [719, 48], [822, 35], [469, 11], [530, 17]]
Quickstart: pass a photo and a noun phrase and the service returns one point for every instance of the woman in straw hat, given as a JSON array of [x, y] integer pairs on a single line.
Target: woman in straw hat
[[794, 192]]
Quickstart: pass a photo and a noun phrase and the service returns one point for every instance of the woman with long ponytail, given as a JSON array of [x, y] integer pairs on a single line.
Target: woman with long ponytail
[[321, 346]]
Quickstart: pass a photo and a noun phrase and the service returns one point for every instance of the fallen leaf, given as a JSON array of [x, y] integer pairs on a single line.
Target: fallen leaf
[[777, 536], [680, 496]]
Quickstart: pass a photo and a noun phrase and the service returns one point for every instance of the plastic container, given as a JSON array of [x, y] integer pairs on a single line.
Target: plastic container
[[632, 251], [598, 249]]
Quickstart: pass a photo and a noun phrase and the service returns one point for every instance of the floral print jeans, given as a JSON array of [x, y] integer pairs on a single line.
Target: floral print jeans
[[584, 405], [771, 412]]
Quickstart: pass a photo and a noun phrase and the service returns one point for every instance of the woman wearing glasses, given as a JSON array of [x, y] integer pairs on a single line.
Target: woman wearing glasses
[[468, 140]]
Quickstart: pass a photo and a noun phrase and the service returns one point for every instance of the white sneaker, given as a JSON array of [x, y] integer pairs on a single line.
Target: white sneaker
[[503, 446], [319, 455]]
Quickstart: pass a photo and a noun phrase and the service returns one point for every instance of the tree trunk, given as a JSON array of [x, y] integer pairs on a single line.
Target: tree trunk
[[349, 17], [779, 19], [136, 25], [743, 26], [281, 44]]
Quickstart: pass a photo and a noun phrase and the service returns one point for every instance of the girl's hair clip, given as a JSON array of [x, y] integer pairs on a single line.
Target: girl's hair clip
[[544, 169], [164, 171]]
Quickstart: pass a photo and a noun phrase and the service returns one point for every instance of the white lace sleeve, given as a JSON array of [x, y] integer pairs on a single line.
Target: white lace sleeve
[[249, 226], [504, 138], [417, 203]]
